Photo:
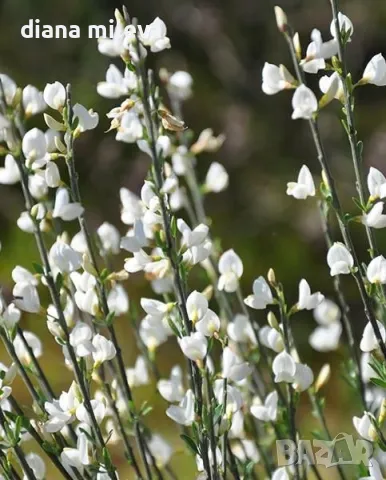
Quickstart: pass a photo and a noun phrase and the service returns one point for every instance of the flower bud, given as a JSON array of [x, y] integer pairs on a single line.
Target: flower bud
[[323, 377], [272, 321], [382, 412], [281, 19], [271, 276], [297, 45], [88, 266], [208, 292]]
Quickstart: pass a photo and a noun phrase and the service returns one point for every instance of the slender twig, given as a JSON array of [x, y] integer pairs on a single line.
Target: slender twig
[[335, 203], [75, 191], [39, 440], [170, 248], [345, 309], [18, 450]]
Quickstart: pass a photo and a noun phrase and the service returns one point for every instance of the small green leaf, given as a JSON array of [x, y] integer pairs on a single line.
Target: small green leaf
[[38, 268], [190, 443]]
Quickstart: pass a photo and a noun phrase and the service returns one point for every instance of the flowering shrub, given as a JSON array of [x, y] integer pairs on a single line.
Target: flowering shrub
[[231, 411]]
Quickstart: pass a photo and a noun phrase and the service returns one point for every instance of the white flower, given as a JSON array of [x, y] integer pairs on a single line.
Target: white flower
[[303, 378], [192, 238], [304, 187], [275, 79], [196, 306], [80, 339], [113, 47], [34, 147], [184, 412], [33, 101], [268, 411], [376, 271], [76, 457], [37, 465], [160, 449], [154, 36], [345, 26], [10, 316], [135, 238], [64, 209], [262, 295], [37, 185], [9, 174], [331, 86], [339, 259], [240, 329], [246, 451], [284, 368], [87, 119], [172, 390], [99, 409], [25, 223], [194, 346], [62, 411], [155, 307], [180, 85], [64, 258], [34, 343], [103, 351], [369, 341], [116, 84], [138, 375], [364, 426], [234, 397], [21, 274], [209, 324], [271, 338], [26, 297], [233, 368], [376, 183], [52, 175], [118, 300], [85, 296], [130, 129], [9, 87], [304, 103], [326, 338], [308, 301], [217, 178], [317, 51], [375, 217], [55, 95], [152, 333], [230, 267], [375, 71], [327, 312], [109, 237]]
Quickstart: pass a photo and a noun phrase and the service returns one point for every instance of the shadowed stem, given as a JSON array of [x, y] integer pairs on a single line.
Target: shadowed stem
[[55, 295], [290, 391], [335, 204], [170, 248], [40, 441], [101, 287], [351, 129], [345, 309], [18, 450]]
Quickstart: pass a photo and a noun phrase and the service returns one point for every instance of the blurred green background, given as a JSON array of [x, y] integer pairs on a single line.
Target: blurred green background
[[223, 44]]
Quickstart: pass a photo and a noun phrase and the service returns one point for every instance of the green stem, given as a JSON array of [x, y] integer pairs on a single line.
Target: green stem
[[335, 203]]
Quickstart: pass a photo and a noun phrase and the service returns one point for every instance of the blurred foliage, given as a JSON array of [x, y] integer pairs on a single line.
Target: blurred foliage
[[223, 44]]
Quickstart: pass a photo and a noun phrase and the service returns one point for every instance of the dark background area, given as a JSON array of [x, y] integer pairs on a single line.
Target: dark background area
[[224, 45]]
